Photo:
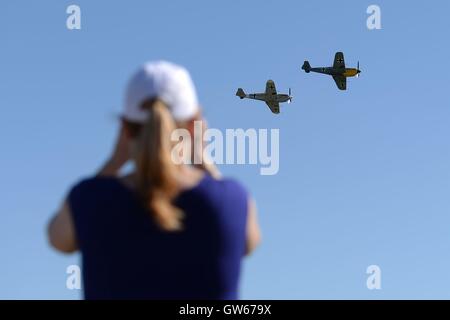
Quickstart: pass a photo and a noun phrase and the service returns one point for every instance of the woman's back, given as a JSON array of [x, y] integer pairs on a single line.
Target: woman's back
[[126, 255], [171, 230]]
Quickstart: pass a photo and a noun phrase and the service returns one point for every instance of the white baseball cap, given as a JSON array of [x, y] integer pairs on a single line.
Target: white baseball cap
[[163, 80]]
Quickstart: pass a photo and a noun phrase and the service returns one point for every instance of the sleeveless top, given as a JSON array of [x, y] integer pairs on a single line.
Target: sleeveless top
[[125, 255]]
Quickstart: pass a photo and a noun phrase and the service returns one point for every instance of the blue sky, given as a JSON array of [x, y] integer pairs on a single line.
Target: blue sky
[[364, 174]]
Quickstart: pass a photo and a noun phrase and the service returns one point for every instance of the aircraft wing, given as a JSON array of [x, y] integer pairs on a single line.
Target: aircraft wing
[[274, 106], [339, 62], [270, 88], [341, 82]]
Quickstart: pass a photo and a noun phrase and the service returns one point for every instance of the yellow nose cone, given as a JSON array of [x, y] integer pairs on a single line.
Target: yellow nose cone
[[350, 73]]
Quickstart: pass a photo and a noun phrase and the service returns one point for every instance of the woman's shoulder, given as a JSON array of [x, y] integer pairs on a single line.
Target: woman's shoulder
[[89, 185], [232, 182], [227, 195], [225, 186]]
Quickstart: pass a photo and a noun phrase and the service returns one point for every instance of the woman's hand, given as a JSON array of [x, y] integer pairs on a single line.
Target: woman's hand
[[120, 155]]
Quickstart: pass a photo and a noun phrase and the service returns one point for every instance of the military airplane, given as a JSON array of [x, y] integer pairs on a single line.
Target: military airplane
[[338, 71], [270, 97]]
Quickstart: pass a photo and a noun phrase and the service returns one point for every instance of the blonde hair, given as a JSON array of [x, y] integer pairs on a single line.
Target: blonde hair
[[156, 172]]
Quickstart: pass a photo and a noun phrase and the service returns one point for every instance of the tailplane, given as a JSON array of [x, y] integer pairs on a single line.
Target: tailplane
[[306, 66], [240, 93]]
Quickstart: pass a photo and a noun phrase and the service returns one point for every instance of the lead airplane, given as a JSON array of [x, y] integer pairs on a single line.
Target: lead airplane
[[270, 97], [338, 71]]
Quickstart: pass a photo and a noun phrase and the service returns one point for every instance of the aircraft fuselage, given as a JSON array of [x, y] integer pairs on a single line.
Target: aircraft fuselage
[[347, 72], [268, 98]]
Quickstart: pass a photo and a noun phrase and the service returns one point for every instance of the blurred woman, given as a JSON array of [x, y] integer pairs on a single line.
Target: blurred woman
[[168, 230]]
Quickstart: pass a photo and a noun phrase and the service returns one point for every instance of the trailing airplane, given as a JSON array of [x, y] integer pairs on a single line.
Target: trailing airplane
[[270, 97]]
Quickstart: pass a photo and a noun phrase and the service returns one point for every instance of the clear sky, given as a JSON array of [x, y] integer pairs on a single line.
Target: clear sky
[[364, 174]]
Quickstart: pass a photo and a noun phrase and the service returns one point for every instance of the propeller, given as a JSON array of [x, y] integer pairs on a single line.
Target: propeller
[[290, 97], [358, 71]]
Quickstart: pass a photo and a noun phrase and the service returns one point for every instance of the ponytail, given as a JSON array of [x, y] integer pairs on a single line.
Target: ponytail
[[156, 172]]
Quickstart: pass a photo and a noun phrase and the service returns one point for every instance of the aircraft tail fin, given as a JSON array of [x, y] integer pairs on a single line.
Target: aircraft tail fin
[[306, 66], [240, 93]]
